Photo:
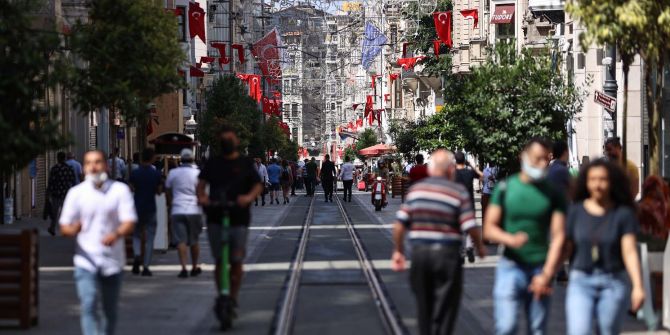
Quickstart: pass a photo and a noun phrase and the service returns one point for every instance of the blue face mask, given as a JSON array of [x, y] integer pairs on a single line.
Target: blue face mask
[[534, 173]]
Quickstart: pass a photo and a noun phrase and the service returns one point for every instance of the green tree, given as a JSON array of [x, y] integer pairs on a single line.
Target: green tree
[[643, 27], [131, 55], [367, 139], [228, 103], [404, 135], [503, 103], [425, 35], [28, 55]]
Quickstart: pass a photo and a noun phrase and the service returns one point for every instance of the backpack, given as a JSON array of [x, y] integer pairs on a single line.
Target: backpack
[[284, 175]]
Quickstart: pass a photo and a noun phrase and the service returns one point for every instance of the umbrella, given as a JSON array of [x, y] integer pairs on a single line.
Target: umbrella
[[376, 150]]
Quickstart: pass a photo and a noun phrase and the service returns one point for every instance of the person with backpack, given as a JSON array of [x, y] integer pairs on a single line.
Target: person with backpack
[[527, 217], [286, 180]]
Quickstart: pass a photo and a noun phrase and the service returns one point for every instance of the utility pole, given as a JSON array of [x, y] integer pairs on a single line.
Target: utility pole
[[610, 86]]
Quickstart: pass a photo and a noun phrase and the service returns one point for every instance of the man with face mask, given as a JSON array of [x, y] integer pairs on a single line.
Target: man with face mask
[[232, 178], [99, 212], [524, 212]]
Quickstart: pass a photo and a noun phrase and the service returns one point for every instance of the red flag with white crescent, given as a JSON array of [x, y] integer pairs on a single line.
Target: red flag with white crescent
[[267, 55], [443, 27], [196, 20]]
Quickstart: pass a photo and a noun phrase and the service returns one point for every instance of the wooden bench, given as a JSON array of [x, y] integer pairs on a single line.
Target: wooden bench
[[19, 275]]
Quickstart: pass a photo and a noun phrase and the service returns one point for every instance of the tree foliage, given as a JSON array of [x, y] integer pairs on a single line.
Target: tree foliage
[[426, 35], [367, 139], [131, 56], [27, 58], [228, 103], [404, 134], [503, 103]]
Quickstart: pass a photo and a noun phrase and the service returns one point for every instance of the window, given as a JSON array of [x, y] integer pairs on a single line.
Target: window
[[294, 110], [181, 23], [504, 30]]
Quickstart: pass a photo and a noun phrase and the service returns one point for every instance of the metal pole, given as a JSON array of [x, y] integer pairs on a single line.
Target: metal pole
[[610, 86]]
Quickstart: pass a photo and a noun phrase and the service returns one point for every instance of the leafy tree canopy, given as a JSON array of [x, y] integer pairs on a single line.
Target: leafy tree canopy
[[426, 35], [404, 134], [367, 139], [503, 103], [131, 55], [27, 57]]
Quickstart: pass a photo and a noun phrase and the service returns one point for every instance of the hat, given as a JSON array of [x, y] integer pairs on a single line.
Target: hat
[[186, 154]]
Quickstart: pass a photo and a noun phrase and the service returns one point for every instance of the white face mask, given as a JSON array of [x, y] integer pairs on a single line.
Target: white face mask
[[97, 178], [534, 173]]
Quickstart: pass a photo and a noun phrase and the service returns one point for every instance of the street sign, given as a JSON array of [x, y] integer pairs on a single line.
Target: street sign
[[605, 100]]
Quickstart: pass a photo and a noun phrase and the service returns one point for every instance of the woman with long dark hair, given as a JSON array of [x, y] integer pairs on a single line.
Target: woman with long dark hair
[[601, 242], [286, 179]]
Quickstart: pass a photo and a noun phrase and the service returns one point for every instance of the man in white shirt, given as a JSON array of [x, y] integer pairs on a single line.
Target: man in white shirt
[[347, 177], [186, 213], [263, 173], [99, 212]]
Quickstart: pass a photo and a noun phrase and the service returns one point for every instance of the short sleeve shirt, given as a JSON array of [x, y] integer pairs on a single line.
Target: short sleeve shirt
[[182, 182], [100, 212], [528, 207], [274, 172], [587, 231], [466, 177], [232, 178], [418, 172], [145, 181]]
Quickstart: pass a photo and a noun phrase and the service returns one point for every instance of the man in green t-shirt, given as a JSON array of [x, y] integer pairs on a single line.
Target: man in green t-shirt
[[527, 216]]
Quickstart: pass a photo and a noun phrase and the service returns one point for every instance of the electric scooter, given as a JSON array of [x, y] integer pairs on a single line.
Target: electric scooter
[[224, 306]]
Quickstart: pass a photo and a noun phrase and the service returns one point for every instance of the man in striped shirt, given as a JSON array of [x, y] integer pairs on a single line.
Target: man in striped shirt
[[436, 213]]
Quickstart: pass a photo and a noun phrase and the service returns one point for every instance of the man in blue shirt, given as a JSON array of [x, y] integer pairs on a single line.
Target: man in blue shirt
[[274, 172], [146, 183], [78, 172]]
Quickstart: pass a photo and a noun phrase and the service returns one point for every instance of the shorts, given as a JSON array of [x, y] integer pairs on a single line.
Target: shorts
[[238, 241], [186, 228], [275, 187]]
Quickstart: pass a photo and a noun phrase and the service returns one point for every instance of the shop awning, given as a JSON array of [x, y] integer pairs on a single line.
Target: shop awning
[[377, 150], [546, 5], [503, 14]]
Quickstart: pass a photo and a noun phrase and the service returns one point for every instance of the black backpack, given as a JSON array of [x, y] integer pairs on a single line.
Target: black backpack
[[284, 175]]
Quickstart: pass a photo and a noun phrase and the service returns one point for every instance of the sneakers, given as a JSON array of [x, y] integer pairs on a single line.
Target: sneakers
[[183, 274], [136, 266], [195, 272], [146, 272], [470, 252]]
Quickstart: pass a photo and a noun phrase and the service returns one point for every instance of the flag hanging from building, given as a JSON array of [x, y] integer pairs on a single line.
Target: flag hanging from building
[[196, 20], [240, 52], [473, 13], [254, 83], [443, 27], [368, 105], [267, 55], [223, 59], [373, 42], [195, 72]]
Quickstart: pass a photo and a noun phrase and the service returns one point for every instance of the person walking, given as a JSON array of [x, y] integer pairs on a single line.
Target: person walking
[[305, 179], [233, 176], [294, 177], [274, 175], [436, 213], [418, 170], [286, 180], [61, 178], [312, 170], [489, 180], [601, 241], [263, 174], [186, 213], [146, 183], [614, 152], [99, 213], [347, 177], [76, 167], [559, 174], [328, 175], [117, 166], [466, 175], [525, 211]]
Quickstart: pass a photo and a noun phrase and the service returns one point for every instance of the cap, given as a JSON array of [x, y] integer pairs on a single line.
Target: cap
[[186, 154]]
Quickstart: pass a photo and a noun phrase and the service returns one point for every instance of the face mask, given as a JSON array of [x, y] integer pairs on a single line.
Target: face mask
[[97, 178], [227, 147], [534, 173]]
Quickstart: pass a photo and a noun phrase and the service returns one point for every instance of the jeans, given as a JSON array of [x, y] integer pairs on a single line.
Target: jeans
[[600, 294], [437, 282], [347, 188], [90, 288], [327, 188], [510, 293], [145, 222], [309, 186]]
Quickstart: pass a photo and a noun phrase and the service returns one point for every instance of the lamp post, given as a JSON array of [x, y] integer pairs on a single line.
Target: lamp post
[[610, 86]]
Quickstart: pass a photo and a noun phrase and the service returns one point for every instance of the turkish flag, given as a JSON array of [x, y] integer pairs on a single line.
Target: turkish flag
[[359, 122], [373, 84], [473, 13], [393, 77], [436, 47], [195, 72], [371, 118], [379, 117], [354, 106], [240, 52], [205, 59], [368, 105], [277, 94], [223, 59], [266, 106], [443, 27], [196, 20], [255, 87], [267, 56], [408, 63]]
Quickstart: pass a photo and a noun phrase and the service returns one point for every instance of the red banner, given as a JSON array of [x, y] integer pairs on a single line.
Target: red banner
[[266, 53], [473, 13], [196, 20], [240, 52], [368, 105], [443, 27], [223, 59], [254, 83]]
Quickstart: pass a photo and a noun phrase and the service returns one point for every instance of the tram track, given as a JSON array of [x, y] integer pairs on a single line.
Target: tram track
[[285, 318]]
